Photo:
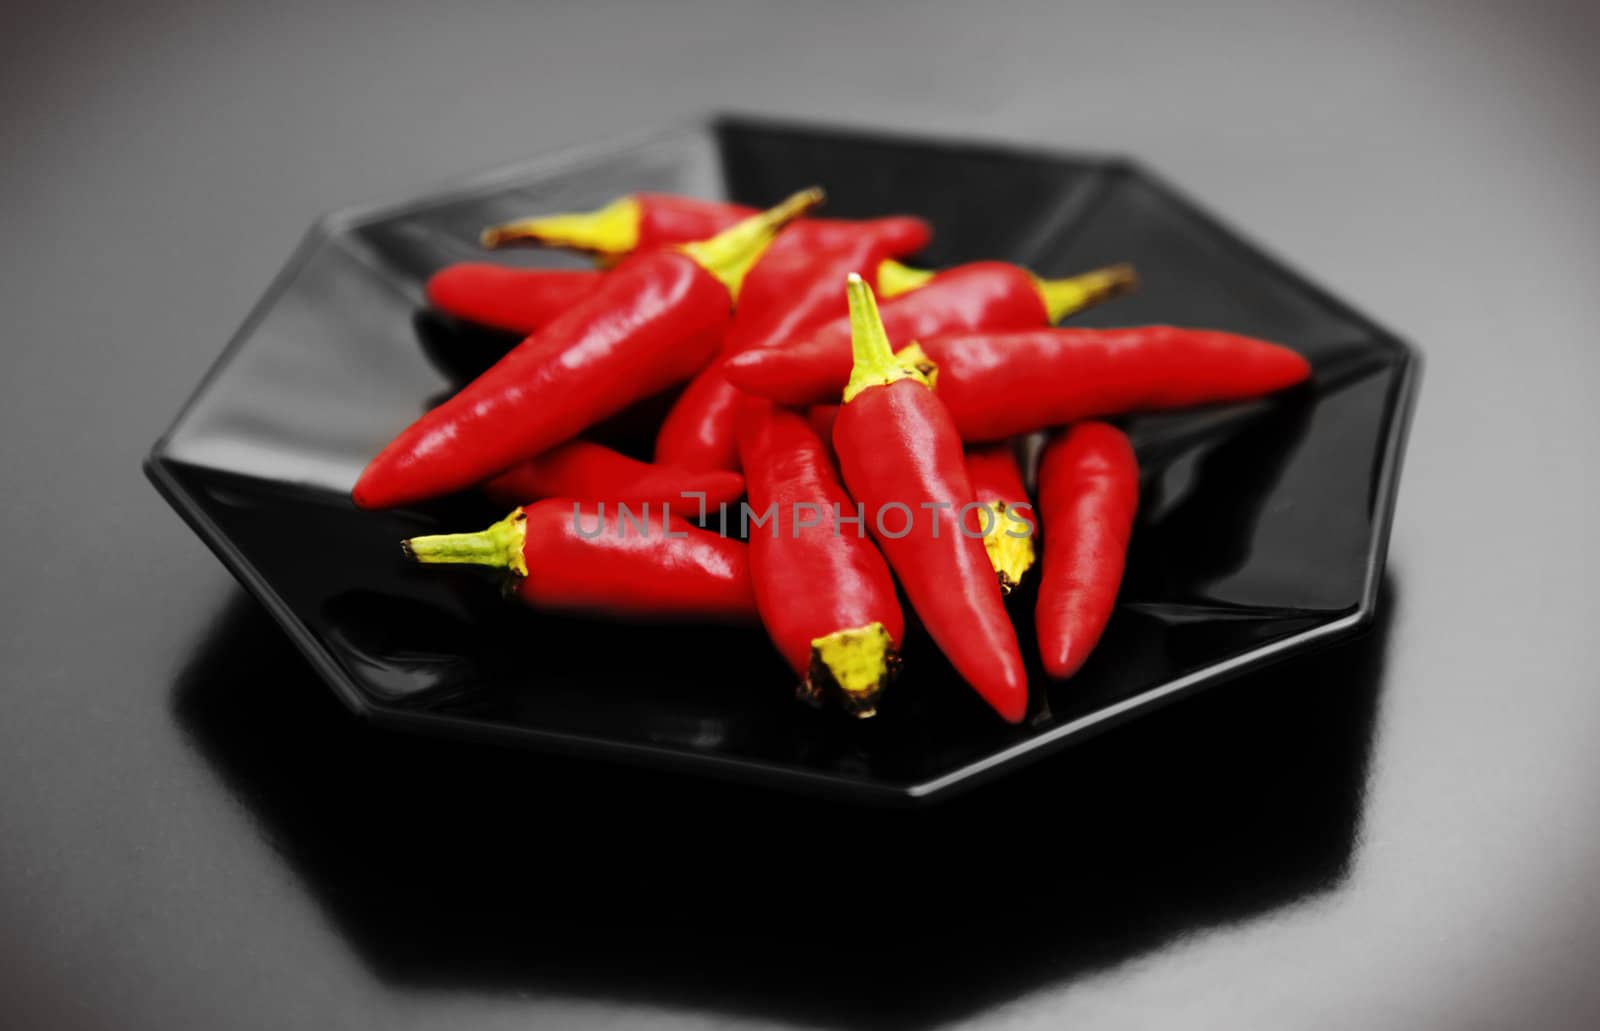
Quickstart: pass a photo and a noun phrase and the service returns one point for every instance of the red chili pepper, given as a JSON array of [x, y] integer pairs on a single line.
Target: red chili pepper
[[898, 450], [825, 593], [654, 321], [522, 300], [592, 472], [598, 559], [1088, 493], [822, 418], [1000, 385], [636, 222], [1008, 529], [790, 291], [986, 295], [517, 300]]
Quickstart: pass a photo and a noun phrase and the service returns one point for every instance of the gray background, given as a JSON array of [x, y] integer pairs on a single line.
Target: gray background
[[1436, 166]]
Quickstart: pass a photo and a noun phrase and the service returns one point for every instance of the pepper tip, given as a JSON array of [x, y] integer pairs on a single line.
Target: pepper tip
[[1065, 662], [1015, 712], [365, 497]]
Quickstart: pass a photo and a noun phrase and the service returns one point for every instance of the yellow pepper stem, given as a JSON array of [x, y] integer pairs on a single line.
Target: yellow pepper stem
[[913, 357], [730, 253], [895, 279], [857, 663], [500, 546], [1062, 297], [875, 363], [609, 231], [1011, 556]]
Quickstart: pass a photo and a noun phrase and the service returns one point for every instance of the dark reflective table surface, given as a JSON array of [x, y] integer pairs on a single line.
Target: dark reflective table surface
[[1399, 832]]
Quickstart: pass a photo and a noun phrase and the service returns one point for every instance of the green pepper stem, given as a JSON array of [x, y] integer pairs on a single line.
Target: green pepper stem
[[857, 663], [499, 546], [1062, 297], [895, 279], [729, 254], [1010, 556], [611, 230], [875, 363]]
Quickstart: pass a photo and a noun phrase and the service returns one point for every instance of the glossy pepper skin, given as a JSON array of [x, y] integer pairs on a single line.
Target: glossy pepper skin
[[898, 451], [638, 221], [593, 472], [825, 592], [521, 300], [592, 559], [986, 295], [1008, 529], [655, 321], [1088, 494], [792, 289], [822, 418], [515, 300], [1000, 385]]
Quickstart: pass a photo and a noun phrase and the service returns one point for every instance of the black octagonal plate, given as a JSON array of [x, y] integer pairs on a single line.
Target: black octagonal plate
[[1262, 529]]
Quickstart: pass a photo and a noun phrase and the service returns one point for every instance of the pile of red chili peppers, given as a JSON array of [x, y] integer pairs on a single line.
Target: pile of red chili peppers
[[876, 448]]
